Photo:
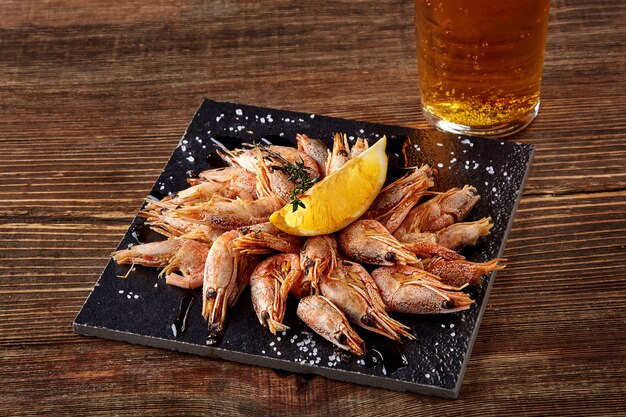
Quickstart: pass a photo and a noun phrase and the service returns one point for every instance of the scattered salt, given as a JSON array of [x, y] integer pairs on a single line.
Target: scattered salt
[[121, 291], [238, 112], [190, 158], [440, 165]]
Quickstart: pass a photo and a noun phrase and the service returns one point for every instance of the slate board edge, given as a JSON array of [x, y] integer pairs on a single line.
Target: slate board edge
[[456, 390], [267, 362]]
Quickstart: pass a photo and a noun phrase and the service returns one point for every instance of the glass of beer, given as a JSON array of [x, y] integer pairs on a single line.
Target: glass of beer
[[480, 63]]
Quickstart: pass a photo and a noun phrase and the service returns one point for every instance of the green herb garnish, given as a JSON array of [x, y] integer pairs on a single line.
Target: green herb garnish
[[302, 176]]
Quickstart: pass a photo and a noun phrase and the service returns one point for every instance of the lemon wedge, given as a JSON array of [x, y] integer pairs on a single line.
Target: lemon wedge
[[340, 198]]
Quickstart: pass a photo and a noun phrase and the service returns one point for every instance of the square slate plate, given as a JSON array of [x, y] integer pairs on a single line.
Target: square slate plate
[[142, 308]]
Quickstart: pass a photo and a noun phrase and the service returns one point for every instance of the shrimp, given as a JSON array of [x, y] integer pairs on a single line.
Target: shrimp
[[175, 255], [369, 242], [430, 250], [340, 154], [354, 292], [318, 258], [203, 233], [395, 201], [453, 237], [293, 155], [441, 211], [269, 287], [227, 214], [325, 319], [359, 147], [400, 190], [264, 238], [163, 223], [240, 158], [316, 149], [204, 191], [234, 175], [272, 180], [462, 234], [226, 275], [406, 289], [460, 272]]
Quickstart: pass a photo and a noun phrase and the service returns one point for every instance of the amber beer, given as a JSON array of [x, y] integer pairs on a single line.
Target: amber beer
[[480, 63]]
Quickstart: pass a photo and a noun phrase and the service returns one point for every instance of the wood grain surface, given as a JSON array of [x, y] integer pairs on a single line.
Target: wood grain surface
[[94, 96]]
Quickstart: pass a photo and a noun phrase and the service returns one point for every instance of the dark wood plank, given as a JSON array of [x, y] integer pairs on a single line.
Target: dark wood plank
[[95, 95]]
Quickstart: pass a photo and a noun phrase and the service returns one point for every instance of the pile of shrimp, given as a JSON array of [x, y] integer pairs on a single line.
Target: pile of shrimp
[[219, 238]]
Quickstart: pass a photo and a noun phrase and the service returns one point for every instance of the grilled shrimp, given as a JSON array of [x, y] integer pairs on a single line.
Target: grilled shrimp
[[453, 237], [340, 154], [272, 180], [247, 158], [264, 238], [406, 289], [460, 272], [293, 155], [393, 194], [441, 211], [317, 259], [369, 242], [325, 319], [431, 250], [204, 191], [227, 214], [175, 255], [226, 275], [462, 234], [269, 287], [354, 292], [161, 221], [395, 201], [234, 175], [316, 149], [359, 147]]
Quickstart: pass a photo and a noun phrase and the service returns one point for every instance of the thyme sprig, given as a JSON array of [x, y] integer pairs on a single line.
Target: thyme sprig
[[303, 177]]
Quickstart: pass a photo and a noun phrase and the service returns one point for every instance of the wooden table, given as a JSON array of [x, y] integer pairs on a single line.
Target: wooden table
[[95, 95]]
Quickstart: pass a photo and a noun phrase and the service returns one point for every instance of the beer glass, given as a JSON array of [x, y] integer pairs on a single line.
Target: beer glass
[[480, 63]]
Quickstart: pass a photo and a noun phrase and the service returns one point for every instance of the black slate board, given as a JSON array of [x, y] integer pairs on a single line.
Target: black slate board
[[142, 308]]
